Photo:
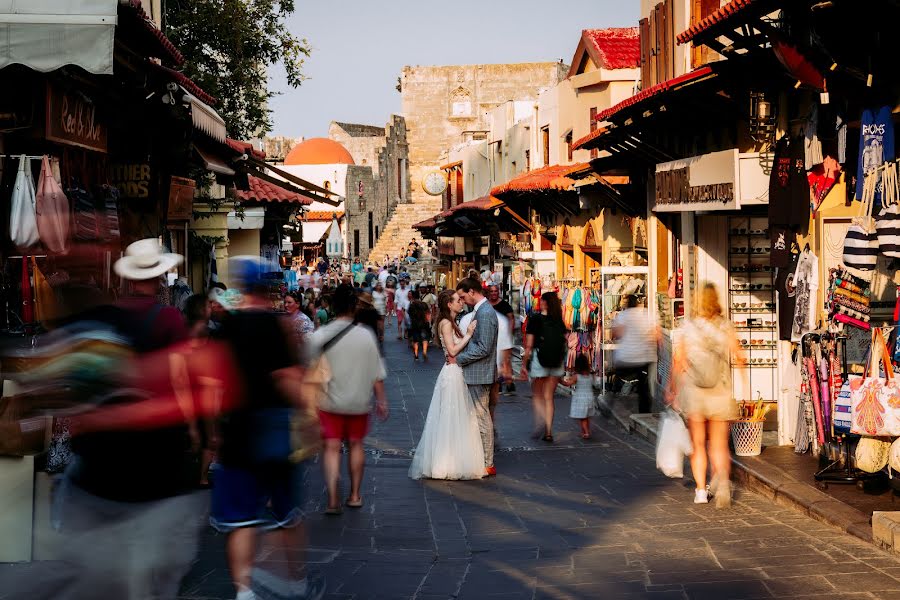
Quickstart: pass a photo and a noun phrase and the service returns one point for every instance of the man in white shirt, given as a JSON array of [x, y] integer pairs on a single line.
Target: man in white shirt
[[357, 372], [636, 338], [401, 305]]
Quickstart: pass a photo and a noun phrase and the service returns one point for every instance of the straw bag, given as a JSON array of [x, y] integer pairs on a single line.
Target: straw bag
[[23, 229], [872, 454], [52, 211], [861, 242], [894, 459], [876, 400]]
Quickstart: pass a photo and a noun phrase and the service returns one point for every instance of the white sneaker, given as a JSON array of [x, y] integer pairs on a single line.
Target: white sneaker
[[245, 595], [700, 497]]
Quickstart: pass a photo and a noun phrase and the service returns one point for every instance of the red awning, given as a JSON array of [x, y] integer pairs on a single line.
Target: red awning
[[245, 148], [322, 215], [726, 13], [426, 224], [153, 36], [545, 178], [263, 191], [483, 203]]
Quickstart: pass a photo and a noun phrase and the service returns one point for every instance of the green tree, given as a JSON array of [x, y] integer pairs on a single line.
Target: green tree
[[228, 46]]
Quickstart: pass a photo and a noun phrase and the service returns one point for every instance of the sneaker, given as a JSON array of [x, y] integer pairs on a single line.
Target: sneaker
[[245, 595], [700, 497]]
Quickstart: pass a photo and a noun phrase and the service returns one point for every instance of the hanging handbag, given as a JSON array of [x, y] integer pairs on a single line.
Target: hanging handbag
[[52, 211], [22, 221], [876, 400], [887, 227], [861, 242]]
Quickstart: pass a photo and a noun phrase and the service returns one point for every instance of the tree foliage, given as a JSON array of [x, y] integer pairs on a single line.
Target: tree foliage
[[228, 47]]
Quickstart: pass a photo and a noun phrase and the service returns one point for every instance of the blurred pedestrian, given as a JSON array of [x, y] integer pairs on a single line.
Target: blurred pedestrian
[[419, 328], [582, 406], [505, 327], [379, 300], [401, 305], [357, 371], [257, 483], [301, 322], [636, 338], [701, 387], [545, 352]]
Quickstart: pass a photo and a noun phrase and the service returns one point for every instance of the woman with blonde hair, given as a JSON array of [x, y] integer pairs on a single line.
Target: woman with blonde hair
[[701, 388]]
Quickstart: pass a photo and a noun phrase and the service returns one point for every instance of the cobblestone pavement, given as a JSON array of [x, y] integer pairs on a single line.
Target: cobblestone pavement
[[576, 519]]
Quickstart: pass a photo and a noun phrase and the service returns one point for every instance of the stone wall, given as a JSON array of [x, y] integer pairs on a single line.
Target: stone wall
[[446, 105], [360, 202]]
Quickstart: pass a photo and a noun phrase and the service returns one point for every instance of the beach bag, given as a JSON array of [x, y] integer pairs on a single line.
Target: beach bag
[[672, 445], [52, 211], [23, 229], [876, 400], [706, 362], [887, 227], [552, 348], [872, 454], [861, 241]]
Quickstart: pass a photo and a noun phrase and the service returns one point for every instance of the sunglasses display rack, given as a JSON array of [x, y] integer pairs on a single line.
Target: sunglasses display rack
[[751, 306]]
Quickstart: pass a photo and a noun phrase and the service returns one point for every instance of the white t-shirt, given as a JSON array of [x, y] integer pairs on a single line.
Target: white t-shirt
[[637, 346], [382, 277], [355, 365], [401, 298]]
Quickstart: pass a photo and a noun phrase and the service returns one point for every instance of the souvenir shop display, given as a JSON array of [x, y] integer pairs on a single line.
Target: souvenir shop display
[[581, 314], [616, 284], [751, 302]]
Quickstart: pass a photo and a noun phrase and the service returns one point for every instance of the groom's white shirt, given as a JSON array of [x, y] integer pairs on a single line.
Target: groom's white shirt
[[469, 316]]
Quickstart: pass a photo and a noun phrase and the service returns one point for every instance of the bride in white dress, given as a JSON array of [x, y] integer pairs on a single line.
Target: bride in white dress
[[450, 447]]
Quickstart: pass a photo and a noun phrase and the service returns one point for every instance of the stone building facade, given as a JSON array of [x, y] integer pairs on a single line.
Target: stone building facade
[[446, 105], [279, 146]]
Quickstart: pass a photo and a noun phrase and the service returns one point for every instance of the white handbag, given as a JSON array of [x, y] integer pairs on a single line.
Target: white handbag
[[22, 220]]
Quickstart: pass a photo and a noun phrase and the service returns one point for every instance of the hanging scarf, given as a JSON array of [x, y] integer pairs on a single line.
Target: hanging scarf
[[576, 309]]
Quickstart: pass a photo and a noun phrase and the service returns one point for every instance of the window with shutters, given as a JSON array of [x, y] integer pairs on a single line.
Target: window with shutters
[[527, 160], [545, 144], [355, 251], [593, 125], [700, 9], [568, 140], [658, 45]]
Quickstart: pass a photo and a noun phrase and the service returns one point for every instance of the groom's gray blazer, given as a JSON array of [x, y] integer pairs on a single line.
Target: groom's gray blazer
[[479, 358]]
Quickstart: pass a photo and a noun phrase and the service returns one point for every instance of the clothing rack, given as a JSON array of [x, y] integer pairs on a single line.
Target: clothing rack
[[41, 157]]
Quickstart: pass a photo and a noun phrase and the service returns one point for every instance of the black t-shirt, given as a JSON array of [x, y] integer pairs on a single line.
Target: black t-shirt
[[787, 300], [789, 187], [261, 346], [418, 311], [504, 308]]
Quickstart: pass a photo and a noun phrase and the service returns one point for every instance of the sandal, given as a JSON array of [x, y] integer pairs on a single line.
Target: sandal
[[585, 436], [354, 503], [334, 511], [548, 437]]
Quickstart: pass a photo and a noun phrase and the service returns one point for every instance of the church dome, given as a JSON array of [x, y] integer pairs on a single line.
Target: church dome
[[319, 151]]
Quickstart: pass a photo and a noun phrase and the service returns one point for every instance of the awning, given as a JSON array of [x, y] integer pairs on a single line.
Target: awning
[[186, 83], [253, 218], [314, 231], [267, 191], [45, 36], [205, 118], [540, 180], [214, 163]]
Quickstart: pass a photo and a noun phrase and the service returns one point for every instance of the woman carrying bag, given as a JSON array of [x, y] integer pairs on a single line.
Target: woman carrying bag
[[701, 388], [545, 352]]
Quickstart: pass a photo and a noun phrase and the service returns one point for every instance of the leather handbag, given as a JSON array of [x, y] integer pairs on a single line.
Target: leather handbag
[[23, 229], [876, 400], [52, 211]]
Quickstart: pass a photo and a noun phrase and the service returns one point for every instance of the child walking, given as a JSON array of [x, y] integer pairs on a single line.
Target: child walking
[[582, 407]]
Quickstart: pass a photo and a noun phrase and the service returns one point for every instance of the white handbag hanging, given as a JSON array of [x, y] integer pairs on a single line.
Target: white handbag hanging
[[22, 221], [861, 242]]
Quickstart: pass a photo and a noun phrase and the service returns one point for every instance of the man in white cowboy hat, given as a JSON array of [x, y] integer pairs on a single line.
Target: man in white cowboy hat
[[131, 508]]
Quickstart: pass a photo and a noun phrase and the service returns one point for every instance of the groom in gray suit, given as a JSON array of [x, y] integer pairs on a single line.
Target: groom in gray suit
[[479, 362]]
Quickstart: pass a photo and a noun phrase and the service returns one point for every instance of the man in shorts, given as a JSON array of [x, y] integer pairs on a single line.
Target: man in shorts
[[357, 372], [252, 489]]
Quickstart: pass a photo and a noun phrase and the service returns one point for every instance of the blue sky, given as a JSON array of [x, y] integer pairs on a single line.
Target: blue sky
[[360, 47]]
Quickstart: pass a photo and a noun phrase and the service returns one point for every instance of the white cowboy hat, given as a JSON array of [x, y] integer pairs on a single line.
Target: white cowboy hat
[[144, 259]]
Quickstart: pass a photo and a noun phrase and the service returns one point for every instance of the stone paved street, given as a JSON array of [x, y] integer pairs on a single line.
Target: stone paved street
[[574, 520]]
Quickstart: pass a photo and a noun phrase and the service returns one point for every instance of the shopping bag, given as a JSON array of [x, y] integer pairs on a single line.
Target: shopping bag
[[52, 211], [672, 445], [876, 400]]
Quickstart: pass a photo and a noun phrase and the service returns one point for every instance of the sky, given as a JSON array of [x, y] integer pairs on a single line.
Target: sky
[[359, 48]]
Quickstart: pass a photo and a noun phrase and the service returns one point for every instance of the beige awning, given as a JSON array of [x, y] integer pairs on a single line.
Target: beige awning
[[45, 35], [205, 118], [213, 163], [252, 217]]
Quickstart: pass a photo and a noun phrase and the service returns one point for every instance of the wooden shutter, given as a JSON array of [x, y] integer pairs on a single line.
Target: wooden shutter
[[645, 53], [593, 124]]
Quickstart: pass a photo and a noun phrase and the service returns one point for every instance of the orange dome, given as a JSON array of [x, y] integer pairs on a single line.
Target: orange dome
[[319, 151]]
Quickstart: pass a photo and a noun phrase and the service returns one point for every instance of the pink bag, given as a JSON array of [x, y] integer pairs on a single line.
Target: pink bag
[[52, 211]]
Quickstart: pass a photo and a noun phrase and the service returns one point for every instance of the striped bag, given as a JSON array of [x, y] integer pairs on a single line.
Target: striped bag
[[887, 226], [861, 243]]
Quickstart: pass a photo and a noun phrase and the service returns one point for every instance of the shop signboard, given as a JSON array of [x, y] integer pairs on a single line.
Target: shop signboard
[[132, 179], [706, 183], [73, 118]]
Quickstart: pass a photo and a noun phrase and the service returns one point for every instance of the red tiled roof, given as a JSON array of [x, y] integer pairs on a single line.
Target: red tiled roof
[[168, 49], [322, 215], [724, 13], [614, 48], [483, 203], [263, 191], [589, 137], [184, 81], [245, 148], [545, 178]]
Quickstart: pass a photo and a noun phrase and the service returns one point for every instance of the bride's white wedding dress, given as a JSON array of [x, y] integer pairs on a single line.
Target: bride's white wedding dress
[[450, 446]]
